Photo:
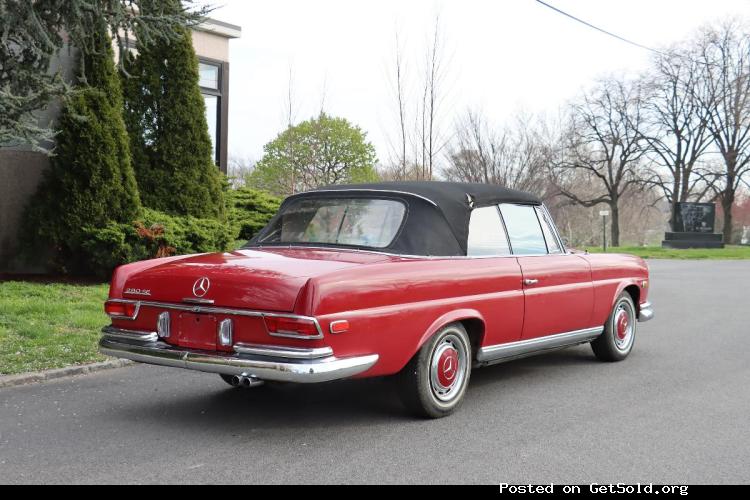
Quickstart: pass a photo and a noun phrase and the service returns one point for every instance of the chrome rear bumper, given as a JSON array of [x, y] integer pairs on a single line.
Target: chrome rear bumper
[[646, 312], [261, 362]]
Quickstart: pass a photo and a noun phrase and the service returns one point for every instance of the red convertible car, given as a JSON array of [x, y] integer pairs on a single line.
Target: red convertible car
[[422, 280]]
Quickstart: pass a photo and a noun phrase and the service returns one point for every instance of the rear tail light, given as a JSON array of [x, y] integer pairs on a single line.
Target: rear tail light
[[225, 332], [280, 326], [121, 309], [162, 325]]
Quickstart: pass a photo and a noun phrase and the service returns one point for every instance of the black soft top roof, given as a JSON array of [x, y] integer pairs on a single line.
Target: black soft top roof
[[445, 195], [437, 221]]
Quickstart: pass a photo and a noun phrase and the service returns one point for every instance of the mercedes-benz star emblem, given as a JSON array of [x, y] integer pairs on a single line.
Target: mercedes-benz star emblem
[[449, 368], [200, 287]]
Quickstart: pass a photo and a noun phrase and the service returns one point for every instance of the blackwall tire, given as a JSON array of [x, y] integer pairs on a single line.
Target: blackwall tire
[[618, 338], [434, 382]]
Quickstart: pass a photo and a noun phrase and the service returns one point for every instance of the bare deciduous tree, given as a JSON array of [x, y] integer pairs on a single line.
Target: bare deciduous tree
[[289, 113], [725, 53], [432, 139], [398, 168], [675, 128], [515, 157], [604, 145], [421, 139]]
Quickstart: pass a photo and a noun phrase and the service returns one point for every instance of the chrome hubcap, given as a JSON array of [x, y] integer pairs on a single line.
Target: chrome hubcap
[[448, 368], [623, 325]]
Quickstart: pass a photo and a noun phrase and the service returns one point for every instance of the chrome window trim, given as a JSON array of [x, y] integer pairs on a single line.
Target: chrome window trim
[[552, 239], [235, 312], [282, 351], [512, 350], [555, 231]]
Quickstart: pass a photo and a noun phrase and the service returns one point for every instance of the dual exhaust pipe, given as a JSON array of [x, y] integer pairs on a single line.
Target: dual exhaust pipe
[[245, 381]]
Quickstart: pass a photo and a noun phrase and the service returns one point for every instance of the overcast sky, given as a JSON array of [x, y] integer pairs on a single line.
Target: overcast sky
[[505, 55]]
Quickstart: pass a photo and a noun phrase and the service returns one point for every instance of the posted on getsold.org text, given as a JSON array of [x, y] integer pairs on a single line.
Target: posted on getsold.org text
[[592, 489]]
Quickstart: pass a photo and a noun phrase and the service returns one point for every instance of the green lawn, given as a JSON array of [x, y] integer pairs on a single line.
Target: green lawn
[[732, 252], [49, 325]]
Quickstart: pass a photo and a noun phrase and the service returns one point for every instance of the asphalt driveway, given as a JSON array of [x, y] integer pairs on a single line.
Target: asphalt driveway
[[676, 411]]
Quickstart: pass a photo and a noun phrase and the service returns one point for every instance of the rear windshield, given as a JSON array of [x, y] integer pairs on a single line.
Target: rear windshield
[[357, 222]]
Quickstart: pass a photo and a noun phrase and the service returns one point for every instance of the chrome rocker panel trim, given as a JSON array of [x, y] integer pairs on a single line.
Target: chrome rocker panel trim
[[514, 350], [645, 312], [263, 367]]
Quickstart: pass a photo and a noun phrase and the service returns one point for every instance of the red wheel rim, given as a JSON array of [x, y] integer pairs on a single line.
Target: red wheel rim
[[622, 325], [448, 367]]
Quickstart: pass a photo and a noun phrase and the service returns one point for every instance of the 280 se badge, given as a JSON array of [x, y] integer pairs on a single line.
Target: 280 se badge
[[424, 281]]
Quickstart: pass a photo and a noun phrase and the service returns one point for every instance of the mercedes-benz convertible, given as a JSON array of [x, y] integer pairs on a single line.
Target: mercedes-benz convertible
[[423, 281]]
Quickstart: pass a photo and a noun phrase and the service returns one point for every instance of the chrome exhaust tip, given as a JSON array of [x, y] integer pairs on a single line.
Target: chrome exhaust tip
[[248, 382], [236, 380]]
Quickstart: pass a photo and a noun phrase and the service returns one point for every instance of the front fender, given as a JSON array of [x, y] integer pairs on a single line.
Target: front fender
[[621, 288]]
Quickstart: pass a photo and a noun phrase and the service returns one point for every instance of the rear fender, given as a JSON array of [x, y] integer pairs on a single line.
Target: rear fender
[[448, 318]]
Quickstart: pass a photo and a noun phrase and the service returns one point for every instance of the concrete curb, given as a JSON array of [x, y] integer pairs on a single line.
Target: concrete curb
[[68, 371]]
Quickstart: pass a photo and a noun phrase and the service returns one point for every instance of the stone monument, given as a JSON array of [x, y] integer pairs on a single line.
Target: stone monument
[[694, 227]]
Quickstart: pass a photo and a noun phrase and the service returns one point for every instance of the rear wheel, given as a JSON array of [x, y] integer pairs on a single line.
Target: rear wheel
[[619, 332], [434, 382]]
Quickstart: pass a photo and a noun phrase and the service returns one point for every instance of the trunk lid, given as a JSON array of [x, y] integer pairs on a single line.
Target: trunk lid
[[268, 280]]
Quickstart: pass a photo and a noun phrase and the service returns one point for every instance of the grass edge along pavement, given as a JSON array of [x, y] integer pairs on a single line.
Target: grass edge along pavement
[[729, 252]]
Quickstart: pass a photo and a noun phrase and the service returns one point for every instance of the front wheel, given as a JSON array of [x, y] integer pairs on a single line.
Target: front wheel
[[616, 342], [434, 382]]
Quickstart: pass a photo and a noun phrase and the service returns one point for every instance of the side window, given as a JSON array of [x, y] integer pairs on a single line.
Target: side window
[[486, 233], [547, 228], [524, 230]]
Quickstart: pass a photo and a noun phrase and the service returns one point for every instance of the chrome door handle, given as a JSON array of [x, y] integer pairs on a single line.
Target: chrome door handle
[[530, 282]]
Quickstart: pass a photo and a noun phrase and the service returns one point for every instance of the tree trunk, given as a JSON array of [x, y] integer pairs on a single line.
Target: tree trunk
[[615, 223], [673, 213], [727, 200]]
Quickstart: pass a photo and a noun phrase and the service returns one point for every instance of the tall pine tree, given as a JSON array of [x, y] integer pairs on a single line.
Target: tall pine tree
[[166, 120], [33, 32], [90, 181]]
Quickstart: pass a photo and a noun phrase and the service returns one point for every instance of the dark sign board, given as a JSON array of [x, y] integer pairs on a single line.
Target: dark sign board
[[695, 217]]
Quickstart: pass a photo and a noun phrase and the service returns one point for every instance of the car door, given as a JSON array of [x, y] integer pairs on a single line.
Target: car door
[[558, 293], [488, 244]]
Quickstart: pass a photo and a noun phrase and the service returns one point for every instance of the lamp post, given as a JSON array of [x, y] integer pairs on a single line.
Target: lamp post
[[604, 214]]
